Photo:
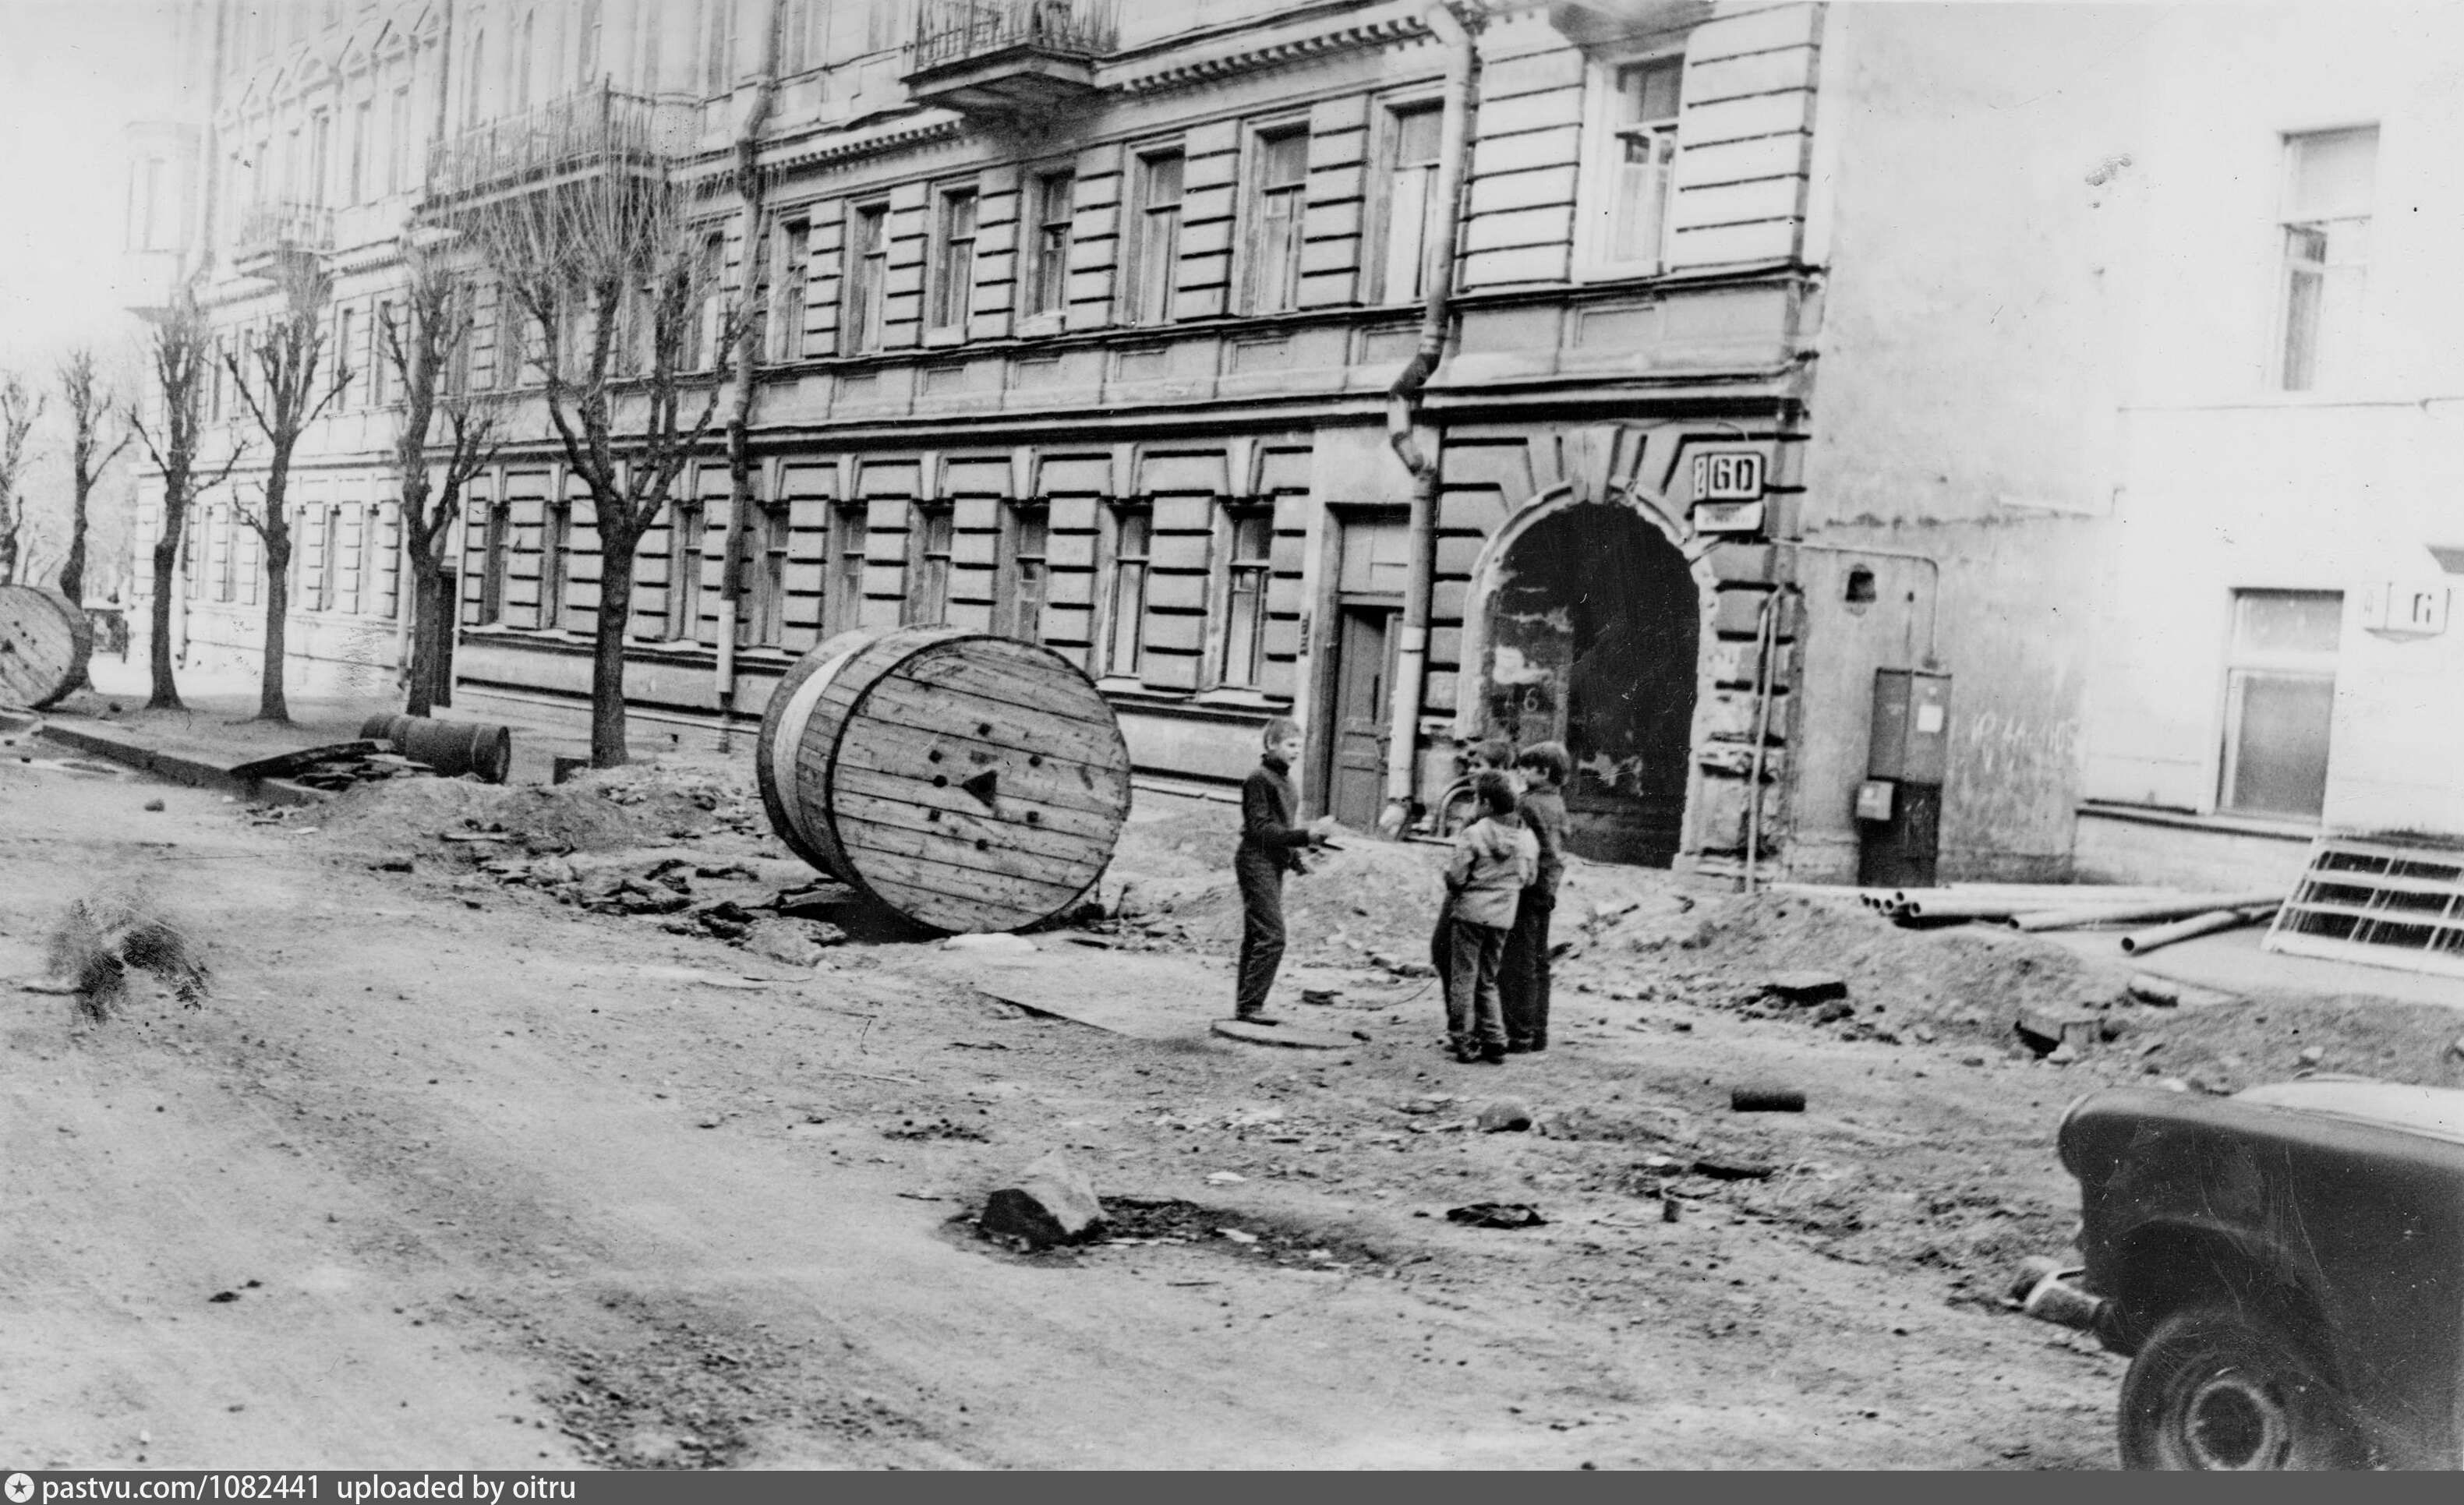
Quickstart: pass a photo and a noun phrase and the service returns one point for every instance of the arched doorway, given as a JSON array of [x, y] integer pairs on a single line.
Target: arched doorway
[[1594, 627]]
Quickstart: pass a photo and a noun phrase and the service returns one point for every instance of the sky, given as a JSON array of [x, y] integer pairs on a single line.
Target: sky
[[72, 73]]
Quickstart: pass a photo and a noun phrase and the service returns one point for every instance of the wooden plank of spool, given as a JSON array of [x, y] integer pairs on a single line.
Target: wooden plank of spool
[[968, 781], [1059, 785], [44, 641], [924, 807]]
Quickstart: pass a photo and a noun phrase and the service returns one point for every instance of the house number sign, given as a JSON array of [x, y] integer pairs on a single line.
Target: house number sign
[[1729, 475]]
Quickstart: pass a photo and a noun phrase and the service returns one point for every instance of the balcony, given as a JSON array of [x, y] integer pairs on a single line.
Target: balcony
[[274, 232], [1009, 57], [596, 130]]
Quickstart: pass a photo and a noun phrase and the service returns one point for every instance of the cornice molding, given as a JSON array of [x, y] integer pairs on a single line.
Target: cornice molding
[[1267, 48]]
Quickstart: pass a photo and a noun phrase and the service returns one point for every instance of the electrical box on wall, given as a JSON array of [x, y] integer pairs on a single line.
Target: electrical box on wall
[[1911, 736]]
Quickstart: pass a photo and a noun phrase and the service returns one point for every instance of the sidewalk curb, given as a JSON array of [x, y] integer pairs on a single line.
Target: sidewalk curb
[[174, 768]]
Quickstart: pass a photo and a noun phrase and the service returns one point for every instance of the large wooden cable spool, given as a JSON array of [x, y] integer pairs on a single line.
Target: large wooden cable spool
[[967, 782], [44, 641]]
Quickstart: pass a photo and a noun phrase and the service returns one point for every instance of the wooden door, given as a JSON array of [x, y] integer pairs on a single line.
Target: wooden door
[[1364, 677]]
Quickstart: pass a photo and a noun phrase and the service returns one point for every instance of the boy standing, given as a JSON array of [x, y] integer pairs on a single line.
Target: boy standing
[[1524, 983], [1494, 858], [1268, 843]]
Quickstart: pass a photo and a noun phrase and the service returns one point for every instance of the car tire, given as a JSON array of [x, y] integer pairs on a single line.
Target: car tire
[[2221, 1386]]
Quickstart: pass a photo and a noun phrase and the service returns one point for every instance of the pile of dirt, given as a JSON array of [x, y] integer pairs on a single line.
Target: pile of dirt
[[1720, 950], [610, 810]]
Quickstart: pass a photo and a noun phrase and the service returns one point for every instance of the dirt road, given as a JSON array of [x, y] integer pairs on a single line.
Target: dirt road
[[446, 1171]]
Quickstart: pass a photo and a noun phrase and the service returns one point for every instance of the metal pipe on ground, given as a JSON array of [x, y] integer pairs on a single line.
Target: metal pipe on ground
[[451, 748], [2181, 909], [2214, 922]]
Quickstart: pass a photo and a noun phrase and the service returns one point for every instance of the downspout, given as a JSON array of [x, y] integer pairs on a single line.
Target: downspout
[[750, 191], [1403, 406]]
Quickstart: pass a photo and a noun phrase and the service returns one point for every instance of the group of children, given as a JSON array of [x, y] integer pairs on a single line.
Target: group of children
[[1491, 945]]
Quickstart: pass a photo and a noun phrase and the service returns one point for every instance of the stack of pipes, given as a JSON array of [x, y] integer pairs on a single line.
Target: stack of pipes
[[2163, 915]]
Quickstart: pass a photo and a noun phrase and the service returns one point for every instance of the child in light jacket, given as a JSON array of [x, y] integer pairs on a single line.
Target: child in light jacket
[[1494, 858]]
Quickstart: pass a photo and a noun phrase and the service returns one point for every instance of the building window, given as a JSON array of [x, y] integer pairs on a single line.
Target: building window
[[524, 55], [1156, 275], [588, 35], [555, 562], [1274, 239], [2280, 700], [868, 259], [702, 339], [1126, 602], [1019, 610], [226, 549], [398, 140], [954, 260], [1252, 531], [375, 594], [843, 594], [1047, 254], [795, 243], [1636, 161], [381, 356], [718, 69], [329, 562], [1412, 207], [685, 530], [321, 156], [887, 24], [2328, 188], [474, 63], [930, 532], [495, 561], [362, 114], [767, 621], [346, 349]]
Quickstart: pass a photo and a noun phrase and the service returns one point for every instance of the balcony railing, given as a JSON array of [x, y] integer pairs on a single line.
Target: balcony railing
[[271, 229], [951, 31], [595, 127]]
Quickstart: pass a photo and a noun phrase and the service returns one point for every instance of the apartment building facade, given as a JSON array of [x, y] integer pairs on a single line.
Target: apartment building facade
[[1089, 326]]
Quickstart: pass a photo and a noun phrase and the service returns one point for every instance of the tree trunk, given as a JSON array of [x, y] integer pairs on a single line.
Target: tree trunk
[[270, 706], [72, 568], [428, 626], [167, 558], [607, 649]]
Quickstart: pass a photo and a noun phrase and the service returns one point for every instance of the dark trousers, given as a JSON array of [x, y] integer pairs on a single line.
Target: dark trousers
[[1262, 928], [1472, 1014], [1523, 978]]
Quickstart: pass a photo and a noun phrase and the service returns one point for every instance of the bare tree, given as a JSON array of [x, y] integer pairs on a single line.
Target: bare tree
[[596, 268], [91, 450], [181, 350], [425, 344], [19, 410], [288, 390]]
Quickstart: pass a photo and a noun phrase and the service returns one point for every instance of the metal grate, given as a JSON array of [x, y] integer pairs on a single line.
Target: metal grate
[[2380, 902]]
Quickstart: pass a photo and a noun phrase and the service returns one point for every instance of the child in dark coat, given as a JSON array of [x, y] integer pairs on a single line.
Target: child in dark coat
[[1523, 984], [1494, 858], [1270, 846]]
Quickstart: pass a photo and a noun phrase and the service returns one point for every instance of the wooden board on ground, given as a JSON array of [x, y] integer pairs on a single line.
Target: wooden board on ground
[[1281, 1037], [1144, 996]]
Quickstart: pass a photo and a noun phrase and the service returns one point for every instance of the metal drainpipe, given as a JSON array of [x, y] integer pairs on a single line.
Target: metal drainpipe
[[748, 187], [1402, 408]]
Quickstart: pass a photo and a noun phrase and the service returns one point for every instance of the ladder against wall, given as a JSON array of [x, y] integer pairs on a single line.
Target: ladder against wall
[[2381, 900]]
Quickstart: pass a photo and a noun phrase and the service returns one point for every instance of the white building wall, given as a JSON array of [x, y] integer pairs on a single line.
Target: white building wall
[[2231, 483]]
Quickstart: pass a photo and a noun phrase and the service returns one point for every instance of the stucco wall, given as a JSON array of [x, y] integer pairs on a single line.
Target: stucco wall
[[1973, 212]]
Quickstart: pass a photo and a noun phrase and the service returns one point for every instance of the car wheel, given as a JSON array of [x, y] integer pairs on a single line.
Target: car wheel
[[2222, 1388]]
